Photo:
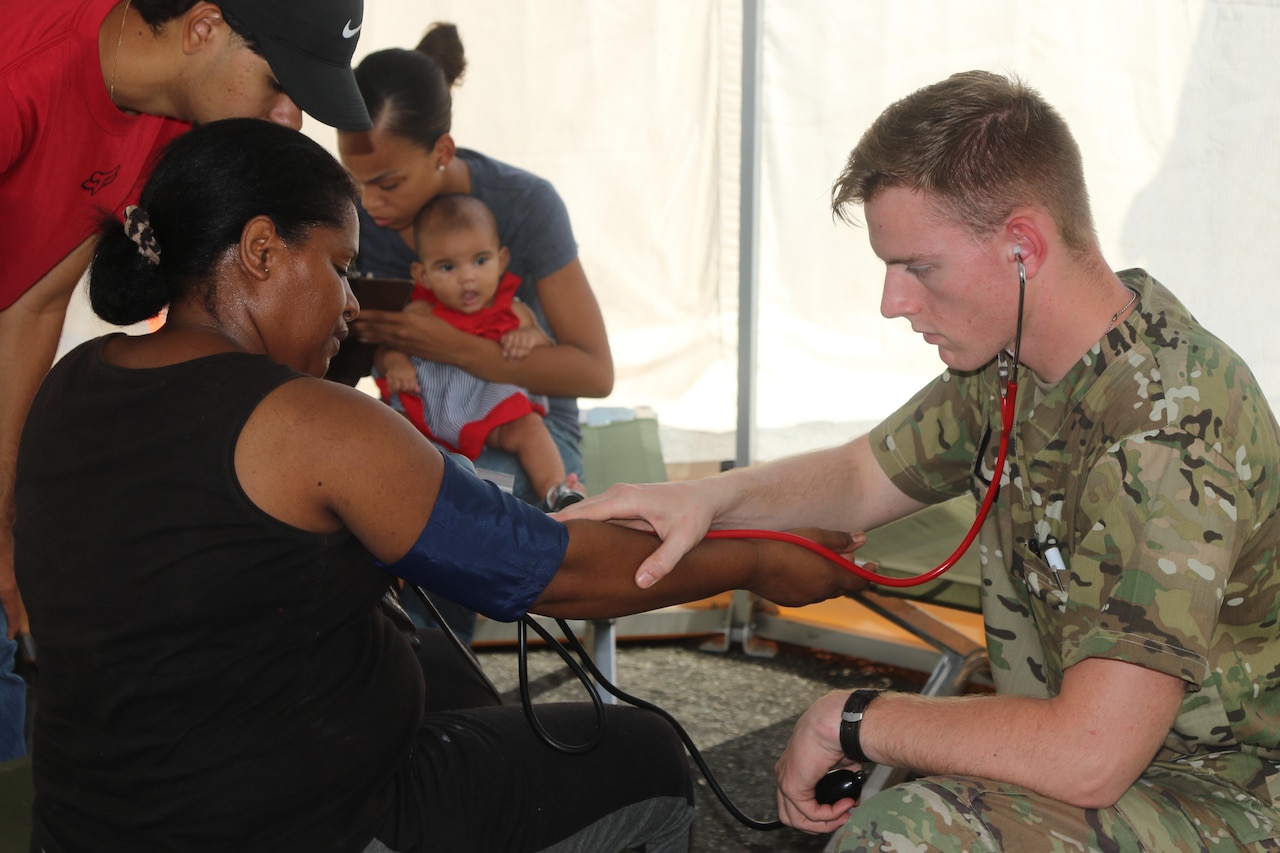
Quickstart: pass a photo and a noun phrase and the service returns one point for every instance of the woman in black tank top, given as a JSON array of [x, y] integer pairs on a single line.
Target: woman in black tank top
[[205, 531]]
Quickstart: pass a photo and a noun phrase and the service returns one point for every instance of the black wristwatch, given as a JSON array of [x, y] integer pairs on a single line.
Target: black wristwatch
[[851, 724]]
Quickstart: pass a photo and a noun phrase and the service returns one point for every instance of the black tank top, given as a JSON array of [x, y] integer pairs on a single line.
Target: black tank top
[[210, 678]]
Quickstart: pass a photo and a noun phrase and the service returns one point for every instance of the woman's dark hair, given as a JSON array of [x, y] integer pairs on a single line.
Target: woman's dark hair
[[442, 43], [207, 185], [407, 91]]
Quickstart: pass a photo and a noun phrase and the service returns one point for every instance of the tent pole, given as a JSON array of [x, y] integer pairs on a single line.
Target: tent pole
[[749, 227]]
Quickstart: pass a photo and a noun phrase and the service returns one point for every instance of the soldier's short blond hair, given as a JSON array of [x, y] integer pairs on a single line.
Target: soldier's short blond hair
[[980, 145]]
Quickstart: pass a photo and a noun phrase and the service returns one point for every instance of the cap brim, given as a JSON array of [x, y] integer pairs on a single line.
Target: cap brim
[[322, 90]]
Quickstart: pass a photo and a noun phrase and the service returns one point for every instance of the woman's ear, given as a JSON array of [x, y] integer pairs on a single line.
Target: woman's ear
[[260, 246], [444, 151]]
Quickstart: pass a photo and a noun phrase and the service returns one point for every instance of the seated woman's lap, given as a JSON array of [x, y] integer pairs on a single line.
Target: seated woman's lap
[[481, 779]]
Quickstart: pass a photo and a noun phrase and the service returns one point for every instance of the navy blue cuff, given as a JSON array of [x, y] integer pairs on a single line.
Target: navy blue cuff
[[483, 548]]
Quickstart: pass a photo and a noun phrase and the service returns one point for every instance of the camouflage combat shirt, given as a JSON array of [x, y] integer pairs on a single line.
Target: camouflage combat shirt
[[1154, 464]]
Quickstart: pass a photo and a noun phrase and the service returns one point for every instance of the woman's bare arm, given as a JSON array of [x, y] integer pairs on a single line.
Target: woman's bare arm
[[321, 456]]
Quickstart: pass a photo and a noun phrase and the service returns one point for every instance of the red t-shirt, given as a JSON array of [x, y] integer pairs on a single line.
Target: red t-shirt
[[67, 155]]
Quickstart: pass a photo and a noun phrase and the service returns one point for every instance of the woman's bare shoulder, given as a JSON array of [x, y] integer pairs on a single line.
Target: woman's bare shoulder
[[331, 418], [319, 455]]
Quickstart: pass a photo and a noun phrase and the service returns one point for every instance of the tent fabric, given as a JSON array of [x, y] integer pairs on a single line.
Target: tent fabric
[[633, 111]]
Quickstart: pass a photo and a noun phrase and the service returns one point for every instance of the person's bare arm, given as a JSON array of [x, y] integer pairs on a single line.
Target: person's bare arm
[[363, 467], [1085, 747], [29, 332], [596, 580], [580, 364], [842, 488]]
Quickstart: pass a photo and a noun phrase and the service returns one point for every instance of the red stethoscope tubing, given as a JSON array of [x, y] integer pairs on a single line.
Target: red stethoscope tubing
[[1007, 408]]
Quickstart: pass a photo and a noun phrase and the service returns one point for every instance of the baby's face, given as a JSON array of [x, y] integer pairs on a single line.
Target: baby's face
[[462, 266]]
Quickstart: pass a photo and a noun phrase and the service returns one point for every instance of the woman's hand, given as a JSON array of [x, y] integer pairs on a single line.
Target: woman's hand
[[415, 333], [793, 576]]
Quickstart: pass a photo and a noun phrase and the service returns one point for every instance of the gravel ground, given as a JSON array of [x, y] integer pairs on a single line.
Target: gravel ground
[[738, 709]]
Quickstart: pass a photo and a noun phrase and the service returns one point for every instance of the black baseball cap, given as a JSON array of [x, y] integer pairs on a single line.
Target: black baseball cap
[[309, 44]]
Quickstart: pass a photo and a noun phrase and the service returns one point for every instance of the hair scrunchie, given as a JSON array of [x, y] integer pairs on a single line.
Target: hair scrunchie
[[137, 227]]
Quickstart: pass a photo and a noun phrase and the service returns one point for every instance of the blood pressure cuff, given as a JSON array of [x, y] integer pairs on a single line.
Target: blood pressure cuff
[[483, 548]]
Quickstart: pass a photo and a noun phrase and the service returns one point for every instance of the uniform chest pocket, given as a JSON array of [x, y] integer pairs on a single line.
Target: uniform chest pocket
[[1043, 583]]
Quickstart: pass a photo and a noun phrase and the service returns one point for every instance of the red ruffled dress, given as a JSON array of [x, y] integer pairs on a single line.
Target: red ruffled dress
[[456, 409]]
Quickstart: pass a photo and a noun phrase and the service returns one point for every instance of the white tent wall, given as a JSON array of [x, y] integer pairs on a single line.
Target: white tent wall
[[632, 109], [1176, 106]]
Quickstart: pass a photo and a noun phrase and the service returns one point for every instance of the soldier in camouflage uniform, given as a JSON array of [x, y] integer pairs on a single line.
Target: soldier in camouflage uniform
[[1152, 463], [1136, 705]]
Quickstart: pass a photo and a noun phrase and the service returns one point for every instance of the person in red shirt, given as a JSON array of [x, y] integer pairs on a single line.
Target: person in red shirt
[[90, 91]]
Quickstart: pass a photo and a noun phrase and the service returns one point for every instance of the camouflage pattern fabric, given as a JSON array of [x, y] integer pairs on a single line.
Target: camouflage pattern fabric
[[954, 814], [1154, 463]]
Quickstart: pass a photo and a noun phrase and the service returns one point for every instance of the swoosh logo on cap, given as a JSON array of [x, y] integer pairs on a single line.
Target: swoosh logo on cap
[[347, 32]]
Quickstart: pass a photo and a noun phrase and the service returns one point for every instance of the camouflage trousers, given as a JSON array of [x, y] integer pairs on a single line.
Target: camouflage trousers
[[957, 814]]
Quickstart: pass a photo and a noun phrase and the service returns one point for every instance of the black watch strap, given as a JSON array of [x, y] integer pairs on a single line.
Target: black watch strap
[[851, 724]]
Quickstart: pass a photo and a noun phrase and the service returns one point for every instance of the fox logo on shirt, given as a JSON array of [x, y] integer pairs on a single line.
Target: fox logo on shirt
[[99, 179]]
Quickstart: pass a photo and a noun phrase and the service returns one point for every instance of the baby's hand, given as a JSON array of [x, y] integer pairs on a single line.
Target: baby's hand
[[401, 378], [519, 343]]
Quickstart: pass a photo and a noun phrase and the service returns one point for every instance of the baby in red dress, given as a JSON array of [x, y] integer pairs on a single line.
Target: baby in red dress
[[461, 278]]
